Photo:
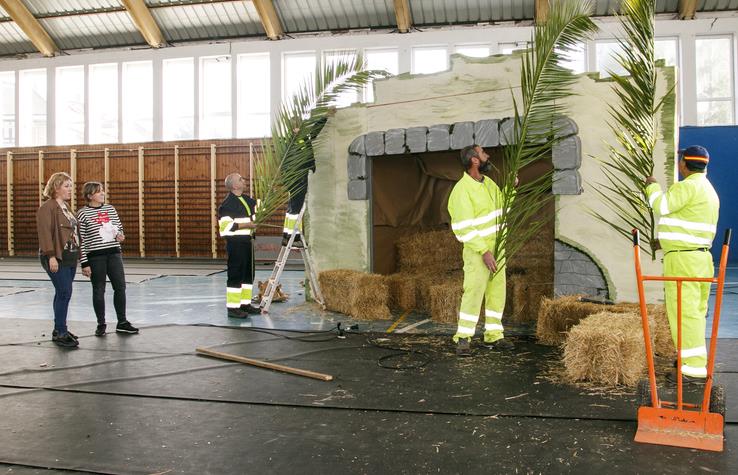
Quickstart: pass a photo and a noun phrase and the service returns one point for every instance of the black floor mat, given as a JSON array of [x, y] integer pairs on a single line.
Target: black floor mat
[[115, 434], [147, 404]]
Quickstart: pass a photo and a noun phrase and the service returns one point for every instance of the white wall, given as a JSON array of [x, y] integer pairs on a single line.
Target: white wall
[[685, 31]]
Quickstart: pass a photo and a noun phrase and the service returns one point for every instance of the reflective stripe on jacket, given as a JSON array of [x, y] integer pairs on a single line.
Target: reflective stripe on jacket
[[688, 213], [233, 211], [475, 208]]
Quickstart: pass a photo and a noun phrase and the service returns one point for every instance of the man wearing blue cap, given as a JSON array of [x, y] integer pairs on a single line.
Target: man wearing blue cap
[[688, 215]]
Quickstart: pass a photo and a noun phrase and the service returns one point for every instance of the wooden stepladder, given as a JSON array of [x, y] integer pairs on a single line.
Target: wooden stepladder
[[281, 263]]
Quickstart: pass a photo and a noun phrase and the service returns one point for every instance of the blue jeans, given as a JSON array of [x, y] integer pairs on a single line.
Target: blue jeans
[[62, 280]]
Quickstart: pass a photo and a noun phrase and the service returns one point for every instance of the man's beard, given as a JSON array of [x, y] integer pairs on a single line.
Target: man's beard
[[484, 167]]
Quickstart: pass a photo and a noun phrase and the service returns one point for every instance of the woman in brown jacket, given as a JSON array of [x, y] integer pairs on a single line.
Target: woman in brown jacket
[[59, 250]]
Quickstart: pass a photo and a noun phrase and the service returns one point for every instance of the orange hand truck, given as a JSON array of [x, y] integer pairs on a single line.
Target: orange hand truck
[[681, 424]]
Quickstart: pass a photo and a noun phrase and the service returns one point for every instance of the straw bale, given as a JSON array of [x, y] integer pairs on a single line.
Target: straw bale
[[354, 293], [402, 291], [433, 251], [606, 348], [423, 284], [370, 297], [337, 286], [663, 344], [445, 300], [557, 316], [524, 298]]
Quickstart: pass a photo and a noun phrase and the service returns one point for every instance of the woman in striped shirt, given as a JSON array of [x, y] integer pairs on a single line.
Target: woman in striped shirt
[[102, 233]]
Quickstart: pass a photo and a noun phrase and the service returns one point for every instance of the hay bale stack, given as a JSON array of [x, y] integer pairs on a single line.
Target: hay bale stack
[[557, 316], [354, 293], [434, 251], [422, 290], [402, 291], [606, 348], [445, 300]]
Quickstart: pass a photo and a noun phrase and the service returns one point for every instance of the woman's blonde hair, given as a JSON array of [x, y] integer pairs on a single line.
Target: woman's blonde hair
[[90, 188], [55, 182]]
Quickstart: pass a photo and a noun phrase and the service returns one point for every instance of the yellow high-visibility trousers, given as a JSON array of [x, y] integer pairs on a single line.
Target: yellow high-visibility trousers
[[694, 306], [480, 285]]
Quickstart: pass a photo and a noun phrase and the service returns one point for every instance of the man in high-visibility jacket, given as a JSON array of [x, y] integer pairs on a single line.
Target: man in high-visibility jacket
[[688, 215], [236, 224], [475, 206]]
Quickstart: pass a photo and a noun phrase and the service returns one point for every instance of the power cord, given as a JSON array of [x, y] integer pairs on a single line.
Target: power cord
[[422, 358]]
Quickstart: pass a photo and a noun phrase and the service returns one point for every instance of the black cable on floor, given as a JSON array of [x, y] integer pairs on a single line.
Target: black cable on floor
[[407, 353]]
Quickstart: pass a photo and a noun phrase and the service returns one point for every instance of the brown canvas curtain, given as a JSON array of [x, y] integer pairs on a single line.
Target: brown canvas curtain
[[410, 194]]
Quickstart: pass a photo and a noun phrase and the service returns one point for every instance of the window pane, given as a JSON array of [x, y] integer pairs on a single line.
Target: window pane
[[103, 103], [253, 95], [606, 58], [70, 105], [666, 50], [575, 59], [383, 60], [714, 112], [178, 98], [138, 101], [297, 68], [332, 58], [215, 98], [32, 110], [714, 78], [429, 59], [473, 51], [7, 109]]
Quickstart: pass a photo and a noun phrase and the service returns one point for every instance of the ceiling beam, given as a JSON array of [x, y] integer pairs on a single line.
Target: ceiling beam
[[30, 26], [402, 13], [145, 23], [542, 7], [269, 19], [687, 9]]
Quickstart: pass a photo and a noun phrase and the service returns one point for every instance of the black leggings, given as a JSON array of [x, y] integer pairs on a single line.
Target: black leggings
[[108, 265]]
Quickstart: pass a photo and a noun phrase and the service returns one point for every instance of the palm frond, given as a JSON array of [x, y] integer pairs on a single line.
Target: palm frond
[[545, 83], [634, 124], [288, 155]]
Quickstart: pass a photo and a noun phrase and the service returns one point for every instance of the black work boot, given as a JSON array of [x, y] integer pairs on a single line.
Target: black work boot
[[503, 344], [463, 347]]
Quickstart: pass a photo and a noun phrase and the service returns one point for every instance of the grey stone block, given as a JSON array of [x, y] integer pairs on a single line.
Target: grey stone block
[[567, 154], [462, 135], [506, 132], [358, 190], [439, 138], [394, 142], [358, 167], [374, 144], [564, 126], [357, 146], [415, 139], [567, 182], [487, 133]]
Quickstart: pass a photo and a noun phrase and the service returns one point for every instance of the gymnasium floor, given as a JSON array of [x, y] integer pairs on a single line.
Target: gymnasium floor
[[400, 402]]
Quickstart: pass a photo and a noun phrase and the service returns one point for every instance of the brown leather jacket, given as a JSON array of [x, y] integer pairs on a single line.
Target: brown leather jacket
[[54, 229]]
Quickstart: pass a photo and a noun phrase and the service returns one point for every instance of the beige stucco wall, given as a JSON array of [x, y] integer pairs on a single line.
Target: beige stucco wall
[[472, 90]]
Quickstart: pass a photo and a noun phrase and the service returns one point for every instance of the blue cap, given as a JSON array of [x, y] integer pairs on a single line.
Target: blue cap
[[696, 155]]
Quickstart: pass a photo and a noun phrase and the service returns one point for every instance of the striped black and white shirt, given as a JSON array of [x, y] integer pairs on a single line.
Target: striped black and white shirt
[[98, 228]]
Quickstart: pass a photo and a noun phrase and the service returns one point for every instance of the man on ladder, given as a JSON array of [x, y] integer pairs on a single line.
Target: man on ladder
[[688, 221], [292, 230]]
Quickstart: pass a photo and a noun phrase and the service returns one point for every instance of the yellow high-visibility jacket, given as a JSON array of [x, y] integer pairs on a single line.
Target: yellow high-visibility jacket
[[688, 213], [476, 209]]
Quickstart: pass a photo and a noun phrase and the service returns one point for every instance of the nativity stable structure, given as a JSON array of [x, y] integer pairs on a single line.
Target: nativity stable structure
[[385, 170]]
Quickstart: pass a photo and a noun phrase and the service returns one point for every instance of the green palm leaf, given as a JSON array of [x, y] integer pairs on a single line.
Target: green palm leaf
[[544, 84], [287, 156], [634, 124]]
